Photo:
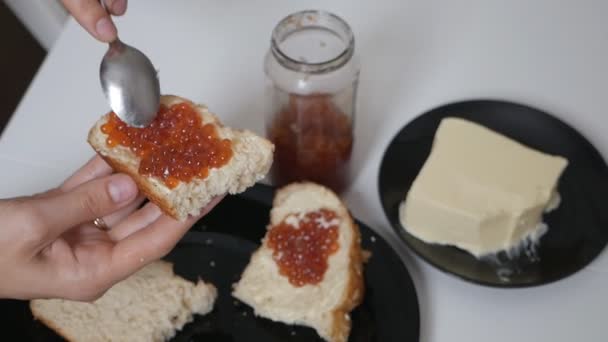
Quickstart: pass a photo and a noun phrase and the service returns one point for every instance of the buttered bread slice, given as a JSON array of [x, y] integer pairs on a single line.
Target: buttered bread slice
[[308, 270], [185, 157]]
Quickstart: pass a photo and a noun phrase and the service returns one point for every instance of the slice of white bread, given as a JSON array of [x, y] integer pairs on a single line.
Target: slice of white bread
[[251, 161], [324, 306], [150, 305]]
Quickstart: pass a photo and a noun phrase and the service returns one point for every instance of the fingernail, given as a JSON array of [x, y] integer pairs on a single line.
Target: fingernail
[[121, 188], [119, 7], [105, 29]]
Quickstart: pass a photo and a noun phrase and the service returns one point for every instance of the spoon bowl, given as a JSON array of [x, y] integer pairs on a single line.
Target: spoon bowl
[[130, 83]]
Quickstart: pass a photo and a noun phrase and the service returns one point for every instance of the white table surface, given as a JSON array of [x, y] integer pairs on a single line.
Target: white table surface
[[415, 55]]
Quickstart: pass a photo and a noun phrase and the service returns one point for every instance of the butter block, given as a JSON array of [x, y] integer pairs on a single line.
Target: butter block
[[479, 190]]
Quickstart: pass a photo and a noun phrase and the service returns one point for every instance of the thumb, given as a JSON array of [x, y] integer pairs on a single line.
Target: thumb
[[86, 202], [94, 18]]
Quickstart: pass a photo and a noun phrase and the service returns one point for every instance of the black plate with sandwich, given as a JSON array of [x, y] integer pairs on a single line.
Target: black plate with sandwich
[[577, 229], [219, 247]]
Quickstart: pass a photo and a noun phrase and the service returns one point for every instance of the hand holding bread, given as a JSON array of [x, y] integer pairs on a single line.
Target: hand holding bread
[[50, 248]]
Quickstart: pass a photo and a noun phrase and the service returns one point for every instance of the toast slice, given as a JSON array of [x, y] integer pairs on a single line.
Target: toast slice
[[250, 162], [324, 306], [150, 305]]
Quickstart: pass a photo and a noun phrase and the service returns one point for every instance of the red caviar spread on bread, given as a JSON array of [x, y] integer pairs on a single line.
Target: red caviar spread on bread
[[176, 147], [302, 244]]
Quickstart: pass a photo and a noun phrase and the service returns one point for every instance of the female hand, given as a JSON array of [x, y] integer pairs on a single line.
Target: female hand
[[91, 15], [49, 247]]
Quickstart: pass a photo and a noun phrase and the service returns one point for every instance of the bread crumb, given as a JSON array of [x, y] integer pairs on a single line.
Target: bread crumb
[[372, 239], [212, 263], [293, 333], [209, 242], [347, 317]]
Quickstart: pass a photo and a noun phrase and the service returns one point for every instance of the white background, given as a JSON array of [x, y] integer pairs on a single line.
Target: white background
[[44, 19], [415, 55]]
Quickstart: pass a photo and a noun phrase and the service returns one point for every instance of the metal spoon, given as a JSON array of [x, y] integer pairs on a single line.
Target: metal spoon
[[130, 83]]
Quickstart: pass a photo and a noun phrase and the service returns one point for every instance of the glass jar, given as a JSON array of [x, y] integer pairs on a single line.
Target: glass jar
[[312, 73]]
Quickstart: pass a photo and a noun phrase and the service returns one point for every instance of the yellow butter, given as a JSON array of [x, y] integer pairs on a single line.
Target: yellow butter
[[479, 190]]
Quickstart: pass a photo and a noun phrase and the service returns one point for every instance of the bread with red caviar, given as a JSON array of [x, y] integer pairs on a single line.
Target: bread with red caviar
[[324, 305], [250, 162]]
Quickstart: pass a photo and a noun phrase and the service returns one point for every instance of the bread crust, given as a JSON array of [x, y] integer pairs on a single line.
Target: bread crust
[[355, 290], [49, 323]]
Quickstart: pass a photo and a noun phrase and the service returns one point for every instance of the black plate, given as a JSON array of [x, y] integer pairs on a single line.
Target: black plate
[[578, 229], [218, 249]]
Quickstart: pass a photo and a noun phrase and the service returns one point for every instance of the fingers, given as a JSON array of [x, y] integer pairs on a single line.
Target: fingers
[[94, 18], [151, 242], [85, 202], [115, 218], [146, 245], [96, 167], [135, 222], [116, 7]]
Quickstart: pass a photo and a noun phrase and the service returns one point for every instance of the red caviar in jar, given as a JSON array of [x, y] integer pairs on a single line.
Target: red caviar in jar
[[302, 244], [176, 147], [313, 140]]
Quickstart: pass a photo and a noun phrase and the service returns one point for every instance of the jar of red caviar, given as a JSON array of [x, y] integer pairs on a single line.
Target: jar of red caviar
[[312, 74]]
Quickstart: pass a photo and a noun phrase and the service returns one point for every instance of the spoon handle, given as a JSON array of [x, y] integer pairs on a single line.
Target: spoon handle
[[116, 44]]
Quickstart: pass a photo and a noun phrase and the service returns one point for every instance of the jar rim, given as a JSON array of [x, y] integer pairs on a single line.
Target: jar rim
[[282, 31]]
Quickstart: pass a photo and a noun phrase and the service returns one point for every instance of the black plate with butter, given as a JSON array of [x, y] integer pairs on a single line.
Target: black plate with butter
[[218, 249], [578, 229]]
